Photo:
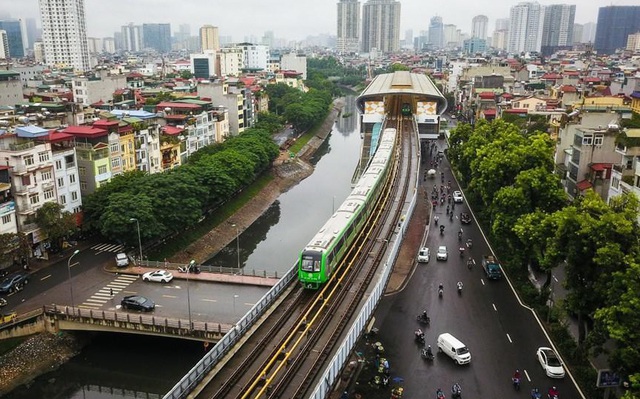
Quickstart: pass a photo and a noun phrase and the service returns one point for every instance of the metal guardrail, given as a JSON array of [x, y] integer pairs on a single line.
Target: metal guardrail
[[206, 268], [332, 372], [200, 370]]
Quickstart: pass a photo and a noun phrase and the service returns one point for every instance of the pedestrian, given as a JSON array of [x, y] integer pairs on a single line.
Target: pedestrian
[[111, 292]]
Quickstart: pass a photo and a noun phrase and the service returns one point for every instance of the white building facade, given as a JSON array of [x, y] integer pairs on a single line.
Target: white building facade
[[65, 39]]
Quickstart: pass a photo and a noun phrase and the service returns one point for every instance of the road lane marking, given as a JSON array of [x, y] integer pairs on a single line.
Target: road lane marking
[[554, 278], [249, 303], [509, 338], [169, 296], [527, 375], [74, 264], [482, 281], [45, 277], [100, 301], [494, 307], [209, 300]]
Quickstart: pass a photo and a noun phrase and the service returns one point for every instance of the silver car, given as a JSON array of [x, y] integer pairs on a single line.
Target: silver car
[[122, 260], [442, 253]]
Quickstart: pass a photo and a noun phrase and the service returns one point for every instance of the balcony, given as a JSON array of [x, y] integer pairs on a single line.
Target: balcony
[[22, 146], [21, 189]]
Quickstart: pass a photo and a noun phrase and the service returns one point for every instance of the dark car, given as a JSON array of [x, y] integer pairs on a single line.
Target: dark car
[[14, 282], [138, 302], [465, 217]]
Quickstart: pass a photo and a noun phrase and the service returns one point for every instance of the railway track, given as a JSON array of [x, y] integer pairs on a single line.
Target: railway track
[[283, 357]]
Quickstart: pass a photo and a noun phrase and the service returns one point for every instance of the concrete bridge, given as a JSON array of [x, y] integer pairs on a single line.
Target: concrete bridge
[[59, 318]]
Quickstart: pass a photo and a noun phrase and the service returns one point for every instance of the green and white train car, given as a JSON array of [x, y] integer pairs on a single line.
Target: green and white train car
[[324, 252]]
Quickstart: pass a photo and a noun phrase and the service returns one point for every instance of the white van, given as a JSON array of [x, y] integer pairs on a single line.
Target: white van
[[453, 348]]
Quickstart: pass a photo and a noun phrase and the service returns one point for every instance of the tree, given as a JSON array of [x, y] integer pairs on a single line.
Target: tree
[[186, 74], [14, 246], [55, 223]]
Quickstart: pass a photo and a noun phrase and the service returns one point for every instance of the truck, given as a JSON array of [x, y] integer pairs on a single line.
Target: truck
[[491, 267]]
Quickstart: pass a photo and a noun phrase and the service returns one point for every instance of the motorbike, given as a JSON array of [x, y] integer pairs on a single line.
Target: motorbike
[[470, 263], [459, 285], [423, 319], [435, 219], [451, 216], [419, 337], [456, 391], [469, 243], [440, 292], [440, 394], [552, 394], [459, 236], [3, 302], [535, 394], [462, 252], [441, 230], [427, 354], [189, 269], [516, 383]]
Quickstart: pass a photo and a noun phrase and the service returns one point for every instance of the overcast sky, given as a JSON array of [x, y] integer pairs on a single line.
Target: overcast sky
[[290, 19]]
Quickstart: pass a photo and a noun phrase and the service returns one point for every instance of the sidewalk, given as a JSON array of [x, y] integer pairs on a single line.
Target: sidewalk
[[224, 278]]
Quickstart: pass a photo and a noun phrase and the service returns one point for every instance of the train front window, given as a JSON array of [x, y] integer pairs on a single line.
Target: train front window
[[311, 262]]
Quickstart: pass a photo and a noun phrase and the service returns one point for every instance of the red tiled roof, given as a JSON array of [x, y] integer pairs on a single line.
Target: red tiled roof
[[591, 79], [104, 123], [583, 185], [598, 167], [507, 95], [55, 136], [571, 73], [135, 75], [551, 76], [487, 95], [516, 111], [489, 112], [172, 131], [176, 117], [568, 89], [84, 131]]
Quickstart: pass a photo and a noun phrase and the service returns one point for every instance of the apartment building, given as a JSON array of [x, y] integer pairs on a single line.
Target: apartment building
[[87, 91], [230, 98], [625, 176], [65, 163], [27, 154], [94, 163], [11, 88], [8, 223]]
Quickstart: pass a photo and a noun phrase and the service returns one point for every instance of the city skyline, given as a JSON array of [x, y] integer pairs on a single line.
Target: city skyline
[[253, 18]]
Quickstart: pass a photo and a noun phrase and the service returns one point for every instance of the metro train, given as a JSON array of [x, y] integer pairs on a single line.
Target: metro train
[[324, 252]]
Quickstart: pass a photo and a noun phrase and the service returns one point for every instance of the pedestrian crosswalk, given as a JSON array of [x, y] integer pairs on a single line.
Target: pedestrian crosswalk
[[102, 247], [108, 293]]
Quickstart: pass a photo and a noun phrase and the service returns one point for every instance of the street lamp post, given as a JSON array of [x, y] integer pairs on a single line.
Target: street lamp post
[[139, 240], [237, 243], [235, 296], [69, 271], [191, 264]]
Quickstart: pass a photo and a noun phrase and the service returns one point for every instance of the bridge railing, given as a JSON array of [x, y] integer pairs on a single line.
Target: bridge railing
[[111, 318], [154, 264], [200, 370]]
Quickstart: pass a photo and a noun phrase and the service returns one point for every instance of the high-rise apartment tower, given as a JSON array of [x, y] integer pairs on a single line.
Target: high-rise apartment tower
[[381, 26], [348, 26], [64, 33]]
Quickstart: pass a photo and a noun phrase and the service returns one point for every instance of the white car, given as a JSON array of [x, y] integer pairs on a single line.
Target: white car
[[158, 276], [550, 362], [457, 197], [122, 260], [424, 255], [442, 253]]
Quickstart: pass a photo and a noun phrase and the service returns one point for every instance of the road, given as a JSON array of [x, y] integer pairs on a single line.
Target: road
[[91, 286], [501, 334]]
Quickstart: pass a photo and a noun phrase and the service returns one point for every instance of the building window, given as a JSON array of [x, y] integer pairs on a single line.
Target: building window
[[34, 199], [587, 139], [26, 180], [82, 171], [45, 176], [58, 164], [60, 181], [43, 156], [72, 178], [63, 199], [48, 194], [102, 169], [115, 162], [114, 147], [6, 219], [599, 139], [28, 160], [83, 185], [74, 196]]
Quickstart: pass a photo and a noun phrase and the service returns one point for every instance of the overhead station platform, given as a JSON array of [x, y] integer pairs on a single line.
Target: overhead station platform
[[392, 96]]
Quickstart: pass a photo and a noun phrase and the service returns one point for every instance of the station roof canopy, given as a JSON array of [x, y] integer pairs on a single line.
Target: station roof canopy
[[402, 83]]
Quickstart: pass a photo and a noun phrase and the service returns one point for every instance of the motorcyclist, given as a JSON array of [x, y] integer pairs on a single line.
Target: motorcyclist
[[459, 285], [425, 317], [447, 209], [441, 229], [470, 263], [429, 351], [469, 242], [461, 251], [439, 394], [516, 375], [419, 334], [460, 235], [535, 393], [553, 393], [456, 390], [440, 289], [436, 218]]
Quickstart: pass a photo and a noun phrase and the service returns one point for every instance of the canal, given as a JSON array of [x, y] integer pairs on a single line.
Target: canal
[[130, 366]]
